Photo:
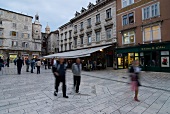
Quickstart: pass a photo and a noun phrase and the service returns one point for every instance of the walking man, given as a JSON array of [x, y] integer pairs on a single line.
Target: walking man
[[19, 65], [27, 64], [1, 63], [32, 65], [59, 71], [38, 64], [76, 69]]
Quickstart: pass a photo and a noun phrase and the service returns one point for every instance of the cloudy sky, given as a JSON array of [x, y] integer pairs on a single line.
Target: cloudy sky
[[55, 12]]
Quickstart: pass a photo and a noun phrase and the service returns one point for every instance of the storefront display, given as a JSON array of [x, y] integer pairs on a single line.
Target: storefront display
[[152, 57]]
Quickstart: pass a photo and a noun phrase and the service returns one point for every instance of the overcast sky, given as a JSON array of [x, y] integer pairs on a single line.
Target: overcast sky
[[55, 12]]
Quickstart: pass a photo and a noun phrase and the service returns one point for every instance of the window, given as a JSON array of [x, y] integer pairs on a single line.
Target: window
[[61, 47], [108, 14], [1, 32], [13, 33], [70, 34], [1, 42], [65, 47], [75, 28], [128, 37], [61, 36], [70, 46], [14, 16], [89, 22], [14, 25], [24, 44], [0, 22], [151, 11], [81, 39], [81, 25], [128, 19], [98, 18], [1, 12], [26, 19], [65, 35], [75, 42], [127, 3], [97, 36], [14, 43], [109, 33], [25, 35], [89, 38], [152, 33], [26, 27]]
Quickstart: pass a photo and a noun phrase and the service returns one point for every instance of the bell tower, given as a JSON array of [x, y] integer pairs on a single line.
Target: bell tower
[[47, 29]]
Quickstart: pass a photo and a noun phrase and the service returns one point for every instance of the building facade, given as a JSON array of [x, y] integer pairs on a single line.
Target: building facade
[[18, 35], [53, 42], [92, 27], [142, 32]]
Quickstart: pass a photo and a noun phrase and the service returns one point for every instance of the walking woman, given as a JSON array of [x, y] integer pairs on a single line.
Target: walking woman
[[134, 74]]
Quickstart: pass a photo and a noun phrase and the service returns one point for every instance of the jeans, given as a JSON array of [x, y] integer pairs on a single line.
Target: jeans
[[77, 80], [38, 69], [27, 68]]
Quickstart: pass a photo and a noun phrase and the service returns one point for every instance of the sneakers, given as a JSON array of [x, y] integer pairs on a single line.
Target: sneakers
[[55, 93]]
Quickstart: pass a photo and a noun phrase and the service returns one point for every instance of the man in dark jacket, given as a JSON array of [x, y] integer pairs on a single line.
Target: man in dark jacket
[[28, 64], [1, 63], [8, 62], [59, 71], [19, 65]]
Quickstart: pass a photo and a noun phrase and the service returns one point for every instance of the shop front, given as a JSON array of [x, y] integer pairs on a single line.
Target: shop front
[[13, 56], [152, 57]]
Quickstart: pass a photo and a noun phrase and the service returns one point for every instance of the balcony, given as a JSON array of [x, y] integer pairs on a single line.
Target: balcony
[[97, 23], [89, 26], [75, 31], [108, 19], [82, 29], [97, 27]]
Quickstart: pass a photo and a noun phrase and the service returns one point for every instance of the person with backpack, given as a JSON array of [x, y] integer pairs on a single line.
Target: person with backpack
[[76, 69], [27, 62], [134, 71], [59, 71]]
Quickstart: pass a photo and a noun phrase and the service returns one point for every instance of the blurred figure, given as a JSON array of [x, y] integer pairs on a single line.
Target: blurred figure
[[15, 61], [134, 74], [59, 71], [32, 65], [45, 63], [19, 64], [1, 63], [8, 61], [38, 65], [27, 62], [76, 69]]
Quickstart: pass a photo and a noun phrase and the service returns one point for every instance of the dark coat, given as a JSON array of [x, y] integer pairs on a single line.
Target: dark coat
[[19, 62]]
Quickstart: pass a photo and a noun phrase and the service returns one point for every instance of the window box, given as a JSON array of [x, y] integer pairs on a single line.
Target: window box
[[88, 26], [81, 29]]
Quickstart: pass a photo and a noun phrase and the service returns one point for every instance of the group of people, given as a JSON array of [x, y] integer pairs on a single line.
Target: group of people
[[59, 71], [33, 63]]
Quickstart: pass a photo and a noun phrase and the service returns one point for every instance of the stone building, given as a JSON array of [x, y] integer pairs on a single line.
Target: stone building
[[143, 34], [94, 26], [18, 35]]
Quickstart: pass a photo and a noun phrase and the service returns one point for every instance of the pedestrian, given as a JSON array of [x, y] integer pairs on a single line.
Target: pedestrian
[[134, 74], [32, 65], [38, 65], [1, 63], [8, 61], [45, 63], [19, 65], [15, 61], [27, 62], [59, 71], [76, 69]]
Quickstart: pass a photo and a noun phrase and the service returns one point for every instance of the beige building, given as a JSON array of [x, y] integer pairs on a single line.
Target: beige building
[[18, 35], [94, 26]]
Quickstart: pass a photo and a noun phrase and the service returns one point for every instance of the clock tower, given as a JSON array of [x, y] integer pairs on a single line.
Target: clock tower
[[36, 28]]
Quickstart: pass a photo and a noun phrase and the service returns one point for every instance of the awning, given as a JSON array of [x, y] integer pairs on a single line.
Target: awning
[[77, 53]]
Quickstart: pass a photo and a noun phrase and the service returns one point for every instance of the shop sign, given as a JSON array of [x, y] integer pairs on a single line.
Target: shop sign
[[164, 61], [153, 48]]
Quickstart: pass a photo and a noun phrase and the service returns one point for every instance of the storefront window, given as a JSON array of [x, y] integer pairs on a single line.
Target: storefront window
[[155, 59], [141, 54], [120, 62], [136, 54], [130, 57]]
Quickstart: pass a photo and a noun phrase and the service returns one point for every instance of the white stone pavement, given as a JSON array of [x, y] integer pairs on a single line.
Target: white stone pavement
[[101, 92]]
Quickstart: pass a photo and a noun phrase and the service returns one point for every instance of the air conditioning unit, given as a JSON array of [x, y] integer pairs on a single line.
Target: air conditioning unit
[[114, 40]]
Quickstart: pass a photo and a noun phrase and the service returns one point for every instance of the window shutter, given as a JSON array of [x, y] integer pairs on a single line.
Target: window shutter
[[158, 8]]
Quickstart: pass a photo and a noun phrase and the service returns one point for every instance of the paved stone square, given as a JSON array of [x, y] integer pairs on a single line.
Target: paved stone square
[[101, 92]]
